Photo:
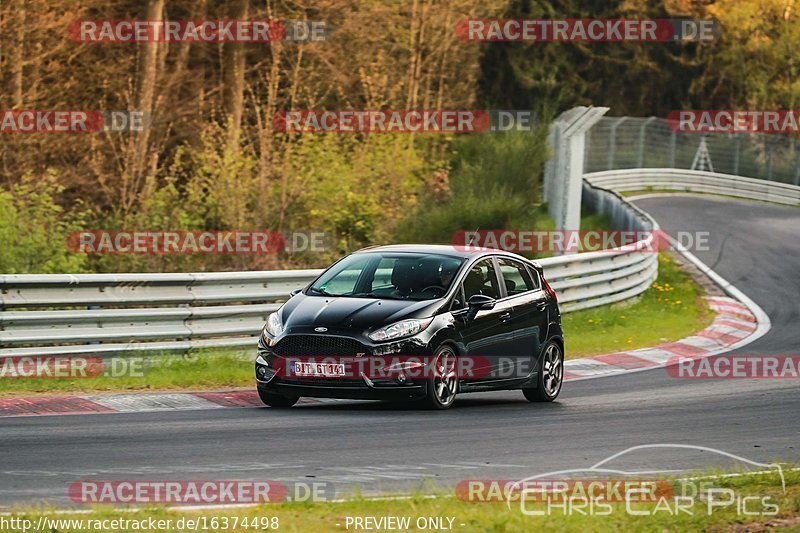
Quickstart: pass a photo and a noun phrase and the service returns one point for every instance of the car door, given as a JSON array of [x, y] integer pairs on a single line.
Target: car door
[[529, 320], [486, 338]]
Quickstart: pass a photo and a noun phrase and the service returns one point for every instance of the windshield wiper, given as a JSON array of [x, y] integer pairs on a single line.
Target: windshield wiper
[[321, 292], [378, 296]]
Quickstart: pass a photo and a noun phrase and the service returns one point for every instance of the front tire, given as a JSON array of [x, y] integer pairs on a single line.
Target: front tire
[[551, 375], [443, 384], [277, 400]]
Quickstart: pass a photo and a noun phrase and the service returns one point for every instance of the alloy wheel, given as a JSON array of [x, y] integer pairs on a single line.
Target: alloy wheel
[[445, 380], [552, 369]]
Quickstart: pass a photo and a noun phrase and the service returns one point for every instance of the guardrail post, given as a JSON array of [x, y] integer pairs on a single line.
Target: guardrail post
[[738, 145], [91, 308]]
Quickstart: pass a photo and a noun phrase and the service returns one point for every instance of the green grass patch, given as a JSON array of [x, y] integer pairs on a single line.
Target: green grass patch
[[197, 370], [671, 309], [765, 491]]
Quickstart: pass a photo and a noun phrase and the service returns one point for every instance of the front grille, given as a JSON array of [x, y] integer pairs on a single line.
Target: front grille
[[319, 346]]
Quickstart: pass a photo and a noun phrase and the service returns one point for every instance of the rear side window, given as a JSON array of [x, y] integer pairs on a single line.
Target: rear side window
[[537, 281], [515, 276]]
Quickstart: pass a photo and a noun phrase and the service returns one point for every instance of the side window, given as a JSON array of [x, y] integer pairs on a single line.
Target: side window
[[537, 282], [515, 275], [481, 279]]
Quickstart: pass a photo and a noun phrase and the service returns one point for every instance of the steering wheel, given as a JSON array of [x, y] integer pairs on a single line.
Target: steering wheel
[[435, 288]]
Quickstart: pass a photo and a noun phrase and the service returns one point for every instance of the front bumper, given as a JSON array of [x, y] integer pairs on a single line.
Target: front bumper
[[352, 392], [273, 376]]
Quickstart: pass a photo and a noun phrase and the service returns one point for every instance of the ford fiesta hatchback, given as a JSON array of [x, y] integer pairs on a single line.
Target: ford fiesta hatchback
[[415, 322]]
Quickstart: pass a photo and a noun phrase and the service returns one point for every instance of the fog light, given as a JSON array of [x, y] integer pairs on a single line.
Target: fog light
[[261, 372]]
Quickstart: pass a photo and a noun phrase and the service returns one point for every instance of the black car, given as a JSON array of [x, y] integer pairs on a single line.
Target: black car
[[415, 322]]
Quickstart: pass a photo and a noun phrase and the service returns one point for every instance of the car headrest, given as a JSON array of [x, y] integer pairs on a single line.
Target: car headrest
[[403, 275], [428, 274]]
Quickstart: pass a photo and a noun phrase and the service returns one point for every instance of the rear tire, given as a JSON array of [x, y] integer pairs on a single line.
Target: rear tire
[[277, 400], [551, 375], [443, 384]]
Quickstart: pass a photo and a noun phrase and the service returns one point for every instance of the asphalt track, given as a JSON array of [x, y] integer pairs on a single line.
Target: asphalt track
[[382, 447]]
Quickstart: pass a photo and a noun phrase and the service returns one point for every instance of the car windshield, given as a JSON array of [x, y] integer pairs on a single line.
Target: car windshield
[[396, 276]]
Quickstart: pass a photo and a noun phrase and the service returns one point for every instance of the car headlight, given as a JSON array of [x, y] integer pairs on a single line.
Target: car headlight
[[274, 326], [404, 328]]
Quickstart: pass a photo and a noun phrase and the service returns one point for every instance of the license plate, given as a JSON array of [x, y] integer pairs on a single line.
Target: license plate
[[318, 369]]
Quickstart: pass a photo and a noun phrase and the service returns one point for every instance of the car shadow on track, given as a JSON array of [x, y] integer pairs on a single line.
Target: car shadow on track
[[461, 404]]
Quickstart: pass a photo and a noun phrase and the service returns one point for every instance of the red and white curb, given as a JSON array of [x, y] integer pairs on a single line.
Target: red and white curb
[[733, 323], [738, 322], [133, 403]]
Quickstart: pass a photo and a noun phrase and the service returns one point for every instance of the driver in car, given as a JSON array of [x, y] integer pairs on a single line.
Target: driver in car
[[446, 273]]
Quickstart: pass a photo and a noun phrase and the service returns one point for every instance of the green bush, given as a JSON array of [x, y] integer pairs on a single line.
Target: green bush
[[494, 182], [34, 229]]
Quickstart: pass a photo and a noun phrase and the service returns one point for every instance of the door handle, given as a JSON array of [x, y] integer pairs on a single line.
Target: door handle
[[504, 317], [541, 306]]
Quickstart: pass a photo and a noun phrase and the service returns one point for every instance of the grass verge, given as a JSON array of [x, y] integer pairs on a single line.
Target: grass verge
[[671, 309], [207, 369], [763, 492]]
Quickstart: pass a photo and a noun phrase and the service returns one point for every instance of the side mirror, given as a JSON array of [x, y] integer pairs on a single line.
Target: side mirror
[[478, 302], [295, 292]]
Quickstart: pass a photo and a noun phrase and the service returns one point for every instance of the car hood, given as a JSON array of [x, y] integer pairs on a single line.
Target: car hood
[[357, 313]]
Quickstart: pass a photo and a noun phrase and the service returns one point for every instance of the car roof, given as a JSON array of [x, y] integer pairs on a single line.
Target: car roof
[[442, 249]]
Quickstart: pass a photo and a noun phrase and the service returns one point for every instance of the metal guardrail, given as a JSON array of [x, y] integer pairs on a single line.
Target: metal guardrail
[[638, 179], [104, 314]]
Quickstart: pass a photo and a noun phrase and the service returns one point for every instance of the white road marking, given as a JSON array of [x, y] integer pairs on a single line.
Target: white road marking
[[136, 403]]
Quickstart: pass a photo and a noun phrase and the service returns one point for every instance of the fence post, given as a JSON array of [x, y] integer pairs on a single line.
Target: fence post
[[673, 138], [587, 145], [797, 166], [769, 159], [642, 135], [613, 144]]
